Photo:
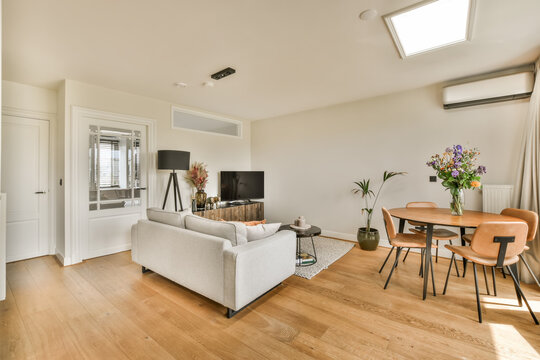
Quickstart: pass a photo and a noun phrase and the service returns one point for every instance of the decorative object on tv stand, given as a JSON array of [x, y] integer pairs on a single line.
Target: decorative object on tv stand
[[197, 176], [458, 170], [368, 237], [173, 160]]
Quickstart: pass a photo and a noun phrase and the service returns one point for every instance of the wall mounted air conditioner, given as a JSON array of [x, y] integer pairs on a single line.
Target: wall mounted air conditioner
[[494, 89]]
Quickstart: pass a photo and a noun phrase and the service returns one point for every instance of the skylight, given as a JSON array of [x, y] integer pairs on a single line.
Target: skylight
[[430, 25]]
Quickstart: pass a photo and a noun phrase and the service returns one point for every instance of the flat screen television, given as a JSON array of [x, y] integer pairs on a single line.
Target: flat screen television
[[242, 185]]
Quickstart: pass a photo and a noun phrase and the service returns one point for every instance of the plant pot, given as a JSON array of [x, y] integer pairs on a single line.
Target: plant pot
[[200, 198], [368, 240]]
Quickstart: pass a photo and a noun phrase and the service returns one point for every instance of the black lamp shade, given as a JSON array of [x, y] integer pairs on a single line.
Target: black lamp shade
[[173, 160]]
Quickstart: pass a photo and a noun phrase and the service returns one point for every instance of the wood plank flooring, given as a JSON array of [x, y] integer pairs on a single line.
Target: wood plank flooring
[[105, 308]]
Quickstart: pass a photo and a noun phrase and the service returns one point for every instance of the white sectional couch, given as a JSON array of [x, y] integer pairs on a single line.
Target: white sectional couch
[[227, 269]]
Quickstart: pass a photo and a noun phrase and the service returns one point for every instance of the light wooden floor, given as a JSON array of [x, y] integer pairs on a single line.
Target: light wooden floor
[[106, 309]]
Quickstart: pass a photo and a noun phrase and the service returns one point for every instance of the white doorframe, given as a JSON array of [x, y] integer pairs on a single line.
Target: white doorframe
[[77, 113], [51, 118]]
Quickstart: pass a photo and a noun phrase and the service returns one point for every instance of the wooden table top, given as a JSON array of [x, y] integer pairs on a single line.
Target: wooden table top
[[440, 216]]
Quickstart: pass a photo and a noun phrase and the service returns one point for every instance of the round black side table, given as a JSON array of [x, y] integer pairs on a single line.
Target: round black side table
[[303, 258]]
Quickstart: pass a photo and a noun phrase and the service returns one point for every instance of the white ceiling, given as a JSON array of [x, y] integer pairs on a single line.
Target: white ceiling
[[289, 55]]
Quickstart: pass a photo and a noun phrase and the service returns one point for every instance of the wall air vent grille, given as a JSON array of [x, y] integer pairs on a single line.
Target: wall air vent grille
[[207, 123]]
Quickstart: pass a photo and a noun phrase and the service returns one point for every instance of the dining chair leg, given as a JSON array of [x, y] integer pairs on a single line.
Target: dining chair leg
[[518, 289], [421, 272], [432, 276], [455, 261], [493, 277], [398, 252], [514, 270], [437, 252], [448, 273], [485, 279], [529, 268], [385, 260], [477, 295], [406, 254], [462, 232], [504, 274]]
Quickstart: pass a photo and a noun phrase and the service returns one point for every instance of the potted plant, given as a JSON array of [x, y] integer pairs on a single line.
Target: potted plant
[[368, 237], [197, 176], [457, 169]]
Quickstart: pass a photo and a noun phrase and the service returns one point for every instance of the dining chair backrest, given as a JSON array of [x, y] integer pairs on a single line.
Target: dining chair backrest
[[530, 217], [389, 224], [489, 239], [420, 204]]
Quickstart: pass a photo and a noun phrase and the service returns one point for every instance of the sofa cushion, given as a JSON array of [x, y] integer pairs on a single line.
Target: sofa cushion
[[261, 231], [233, 231], [168, 217]]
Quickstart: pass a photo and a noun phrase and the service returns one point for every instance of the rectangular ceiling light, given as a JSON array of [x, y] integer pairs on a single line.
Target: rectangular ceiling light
[[430, 25]]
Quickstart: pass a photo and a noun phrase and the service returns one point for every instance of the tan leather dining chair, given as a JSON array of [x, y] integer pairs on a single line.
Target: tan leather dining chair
[[531, 218], [438, 234], [401, 241], [497, 244]]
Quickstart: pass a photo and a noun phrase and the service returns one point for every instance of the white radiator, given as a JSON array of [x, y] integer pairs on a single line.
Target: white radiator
[[496, 197]]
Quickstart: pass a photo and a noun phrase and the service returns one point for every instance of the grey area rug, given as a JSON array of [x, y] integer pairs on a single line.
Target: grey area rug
[[328, 251]]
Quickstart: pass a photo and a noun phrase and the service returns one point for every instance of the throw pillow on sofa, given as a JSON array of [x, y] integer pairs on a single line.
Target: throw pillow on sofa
[[172, 218], [235, 232], [261, 231]]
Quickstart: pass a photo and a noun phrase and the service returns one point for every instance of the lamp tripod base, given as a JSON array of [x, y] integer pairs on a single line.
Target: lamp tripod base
[[173, 177]]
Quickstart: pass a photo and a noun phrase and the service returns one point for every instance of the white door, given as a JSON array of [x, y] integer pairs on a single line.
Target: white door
[[25, 164], [113, 178]]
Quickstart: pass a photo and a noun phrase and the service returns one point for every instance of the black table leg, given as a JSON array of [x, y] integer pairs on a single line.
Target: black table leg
[[462, 231], [401, 225], [427, 260]]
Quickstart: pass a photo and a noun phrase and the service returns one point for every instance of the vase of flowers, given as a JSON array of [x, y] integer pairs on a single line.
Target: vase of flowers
[[368, 237], [458, 170], [197, 176]]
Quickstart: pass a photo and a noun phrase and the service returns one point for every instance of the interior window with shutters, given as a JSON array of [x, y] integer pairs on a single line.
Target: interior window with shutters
[[114, 168]]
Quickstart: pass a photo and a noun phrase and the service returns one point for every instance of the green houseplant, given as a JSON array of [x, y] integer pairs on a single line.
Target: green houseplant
[[368, 237]]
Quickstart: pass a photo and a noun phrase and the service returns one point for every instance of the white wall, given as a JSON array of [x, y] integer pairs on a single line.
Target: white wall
[[312, 158], [218, 152]]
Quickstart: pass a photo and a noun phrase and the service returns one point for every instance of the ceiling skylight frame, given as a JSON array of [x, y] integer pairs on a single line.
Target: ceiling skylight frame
[[393, 33]]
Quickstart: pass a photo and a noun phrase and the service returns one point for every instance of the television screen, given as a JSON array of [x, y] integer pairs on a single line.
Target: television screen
[[242, 185]]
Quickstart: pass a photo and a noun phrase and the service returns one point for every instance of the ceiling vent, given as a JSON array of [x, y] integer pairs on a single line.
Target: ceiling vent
[[498, 87]]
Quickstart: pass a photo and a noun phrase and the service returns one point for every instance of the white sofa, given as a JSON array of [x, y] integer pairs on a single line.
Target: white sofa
[[233, 276]]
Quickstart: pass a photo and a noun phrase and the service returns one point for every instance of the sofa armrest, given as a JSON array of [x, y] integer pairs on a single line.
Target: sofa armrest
[[252, 269]]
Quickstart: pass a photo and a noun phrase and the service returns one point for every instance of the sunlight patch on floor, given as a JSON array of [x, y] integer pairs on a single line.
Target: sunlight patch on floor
[[490, 302], [504, 335]]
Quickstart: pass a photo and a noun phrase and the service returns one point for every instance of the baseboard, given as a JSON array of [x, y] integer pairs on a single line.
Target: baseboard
[[61, 258], [338, 235], [109, 251]]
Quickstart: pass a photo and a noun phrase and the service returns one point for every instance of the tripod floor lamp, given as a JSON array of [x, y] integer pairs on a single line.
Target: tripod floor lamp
[[173, 160]]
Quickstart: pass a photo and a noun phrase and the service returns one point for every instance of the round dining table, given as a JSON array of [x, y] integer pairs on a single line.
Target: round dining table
[[443, 217]]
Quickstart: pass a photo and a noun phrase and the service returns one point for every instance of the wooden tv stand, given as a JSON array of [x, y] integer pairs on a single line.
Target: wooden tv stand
[[249, 211]]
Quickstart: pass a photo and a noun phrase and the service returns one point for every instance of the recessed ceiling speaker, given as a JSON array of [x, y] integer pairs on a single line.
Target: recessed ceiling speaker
[[223, 73], [368, 14]]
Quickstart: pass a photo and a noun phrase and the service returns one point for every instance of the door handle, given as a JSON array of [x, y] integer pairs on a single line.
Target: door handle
[[40, 192], [141, 188]]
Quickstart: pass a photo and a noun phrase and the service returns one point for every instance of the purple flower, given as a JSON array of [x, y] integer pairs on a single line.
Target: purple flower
[[481, 170], [448, 149], [455, 173]]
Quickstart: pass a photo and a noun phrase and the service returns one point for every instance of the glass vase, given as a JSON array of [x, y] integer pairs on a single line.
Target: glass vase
[[458, 202]]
